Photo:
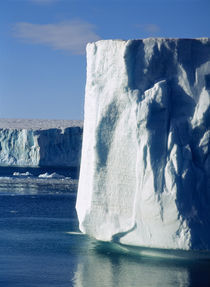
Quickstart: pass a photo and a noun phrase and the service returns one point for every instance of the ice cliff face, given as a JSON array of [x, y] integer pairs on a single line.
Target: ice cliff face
[[145, 156], [40, 143]]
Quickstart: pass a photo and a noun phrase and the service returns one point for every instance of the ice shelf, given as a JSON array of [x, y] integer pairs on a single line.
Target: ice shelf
[[31, 143], [144, 177]]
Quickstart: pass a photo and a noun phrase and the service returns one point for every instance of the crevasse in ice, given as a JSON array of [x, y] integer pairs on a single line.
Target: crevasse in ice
[[144, 177]]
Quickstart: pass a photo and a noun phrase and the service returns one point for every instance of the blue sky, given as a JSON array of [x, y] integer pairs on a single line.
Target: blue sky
[[42, 51]]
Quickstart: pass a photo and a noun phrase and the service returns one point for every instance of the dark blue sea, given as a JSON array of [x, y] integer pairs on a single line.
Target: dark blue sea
[[40, 243]]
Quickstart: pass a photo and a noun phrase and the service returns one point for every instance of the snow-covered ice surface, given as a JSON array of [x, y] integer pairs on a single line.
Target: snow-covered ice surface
[[145, 156], [38, 124], [27, 142]]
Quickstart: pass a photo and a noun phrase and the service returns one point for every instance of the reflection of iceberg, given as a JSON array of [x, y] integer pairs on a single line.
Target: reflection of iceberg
[[116, 270], [145, 158]]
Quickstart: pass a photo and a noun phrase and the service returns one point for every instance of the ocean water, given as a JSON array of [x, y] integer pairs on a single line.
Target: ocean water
[[40, 243]]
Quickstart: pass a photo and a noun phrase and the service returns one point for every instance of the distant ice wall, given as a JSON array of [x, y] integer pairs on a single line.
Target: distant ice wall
[[144, 177], [33, 146]]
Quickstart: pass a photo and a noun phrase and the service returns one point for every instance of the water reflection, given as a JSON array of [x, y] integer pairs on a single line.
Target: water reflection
[[110, 265], [17, 180], [34, 185], [40, 246]]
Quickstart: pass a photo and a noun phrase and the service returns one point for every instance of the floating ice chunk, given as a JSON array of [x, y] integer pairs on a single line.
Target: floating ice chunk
[[23, 174], [52, 175]]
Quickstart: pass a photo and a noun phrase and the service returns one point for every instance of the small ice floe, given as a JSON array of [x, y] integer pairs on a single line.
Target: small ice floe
[[22, 174], [52, 175]]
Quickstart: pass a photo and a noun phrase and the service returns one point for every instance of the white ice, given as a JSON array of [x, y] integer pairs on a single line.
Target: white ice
[[145, 155], [25, 142], [51, 175]]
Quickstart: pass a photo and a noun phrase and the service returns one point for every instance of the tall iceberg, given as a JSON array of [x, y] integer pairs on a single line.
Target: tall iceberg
[[144, 177]]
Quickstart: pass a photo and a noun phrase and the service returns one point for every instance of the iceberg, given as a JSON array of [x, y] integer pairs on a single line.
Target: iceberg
[[35, 143], [144, 176]]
